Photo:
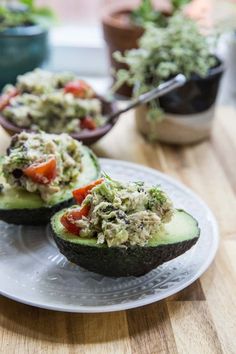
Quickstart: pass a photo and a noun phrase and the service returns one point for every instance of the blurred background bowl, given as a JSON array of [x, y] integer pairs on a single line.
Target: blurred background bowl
[[22, 50]]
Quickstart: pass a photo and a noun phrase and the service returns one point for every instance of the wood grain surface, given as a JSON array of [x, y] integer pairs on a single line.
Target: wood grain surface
[[200, 319]]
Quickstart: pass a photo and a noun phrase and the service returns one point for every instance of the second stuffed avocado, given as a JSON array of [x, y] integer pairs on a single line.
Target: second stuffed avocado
[[39, 173], [122, 229]]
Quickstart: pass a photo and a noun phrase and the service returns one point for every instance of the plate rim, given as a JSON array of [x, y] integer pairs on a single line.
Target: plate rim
[[150, 298]]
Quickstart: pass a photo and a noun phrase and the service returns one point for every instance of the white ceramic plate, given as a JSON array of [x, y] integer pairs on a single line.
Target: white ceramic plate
[[32, 270]]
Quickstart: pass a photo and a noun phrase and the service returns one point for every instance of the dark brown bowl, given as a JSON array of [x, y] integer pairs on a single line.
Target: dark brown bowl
[[86, 136]]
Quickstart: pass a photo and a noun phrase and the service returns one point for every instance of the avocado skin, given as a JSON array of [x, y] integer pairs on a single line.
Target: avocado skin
[[118, 261], [37, 216]]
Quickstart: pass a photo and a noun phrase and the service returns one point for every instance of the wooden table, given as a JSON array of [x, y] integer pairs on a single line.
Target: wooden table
[[200, 319]]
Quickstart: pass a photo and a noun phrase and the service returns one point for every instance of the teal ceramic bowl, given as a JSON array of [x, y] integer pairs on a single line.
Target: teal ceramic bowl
[[22, 49]]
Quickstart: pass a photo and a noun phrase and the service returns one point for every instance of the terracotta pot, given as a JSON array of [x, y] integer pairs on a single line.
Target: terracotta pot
[[189, 111], [120, 34]]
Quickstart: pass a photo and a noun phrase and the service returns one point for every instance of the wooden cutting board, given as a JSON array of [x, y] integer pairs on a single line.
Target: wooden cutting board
[[200, 319]]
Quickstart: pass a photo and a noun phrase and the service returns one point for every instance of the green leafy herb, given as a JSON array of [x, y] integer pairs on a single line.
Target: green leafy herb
[[146, 13], [24, 13], [29, 3], [177, 4], [163, 53]]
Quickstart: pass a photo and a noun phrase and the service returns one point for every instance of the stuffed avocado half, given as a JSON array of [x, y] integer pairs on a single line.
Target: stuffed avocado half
[[39, 173], [122, 229]]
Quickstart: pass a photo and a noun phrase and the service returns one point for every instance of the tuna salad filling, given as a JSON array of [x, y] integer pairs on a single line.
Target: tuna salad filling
[[118, 214], [43, 163], [53, 102]]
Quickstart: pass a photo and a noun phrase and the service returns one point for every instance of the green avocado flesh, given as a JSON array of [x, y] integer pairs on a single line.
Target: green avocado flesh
[[174, 239], [18, 206]]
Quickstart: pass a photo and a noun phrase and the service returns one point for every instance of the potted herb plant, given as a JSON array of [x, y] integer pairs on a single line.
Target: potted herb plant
[[186, 114], [23, 38], [123, 25]]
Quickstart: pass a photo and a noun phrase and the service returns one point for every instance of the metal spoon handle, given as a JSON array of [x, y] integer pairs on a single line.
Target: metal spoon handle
[[162, 89]]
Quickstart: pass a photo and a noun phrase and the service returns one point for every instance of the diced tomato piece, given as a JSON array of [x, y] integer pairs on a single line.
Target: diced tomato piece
[[5, 98], [42, 173], [88, 123], [69, 226], [81, 193], [68, 219], [79, 88]]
